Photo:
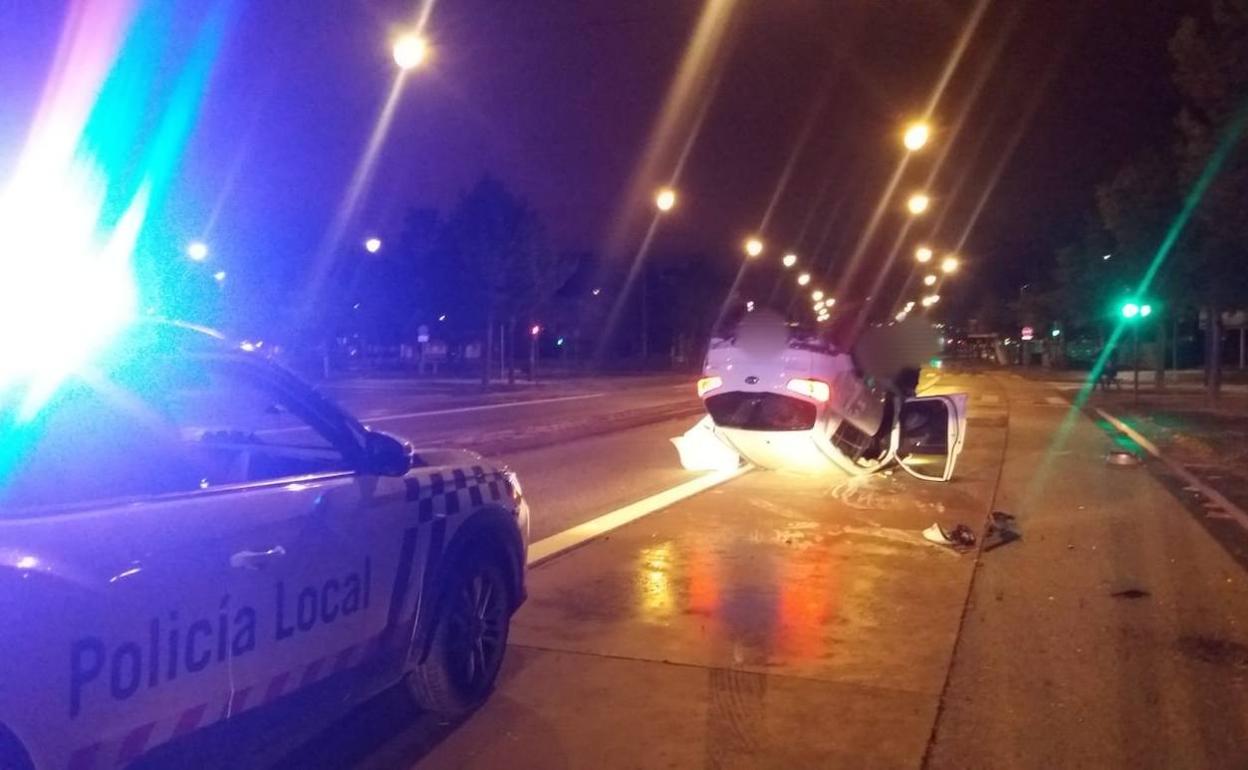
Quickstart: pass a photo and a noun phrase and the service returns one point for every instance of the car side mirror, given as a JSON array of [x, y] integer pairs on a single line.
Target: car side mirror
[[385, 455]]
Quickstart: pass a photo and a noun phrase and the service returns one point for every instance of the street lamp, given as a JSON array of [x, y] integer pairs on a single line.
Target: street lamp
[[197, 251], [916, 136], [803, 279], [665, 199], [929, 280], [219, 276], [923, 254], [789, 260], [816, 295], [930, 300], [410, 51], [753, 247], [918, 203], [372, 245], [949, 264]]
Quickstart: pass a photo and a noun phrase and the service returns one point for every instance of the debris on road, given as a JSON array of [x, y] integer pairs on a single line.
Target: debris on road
[[1122, 457], [960, 538], [1002, 529]]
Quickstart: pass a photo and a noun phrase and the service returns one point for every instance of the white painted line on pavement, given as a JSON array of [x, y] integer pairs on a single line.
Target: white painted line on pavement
[[1056, 401], [483, 407], [990, 398], [568, 539], [1236, 513], [436, 412]]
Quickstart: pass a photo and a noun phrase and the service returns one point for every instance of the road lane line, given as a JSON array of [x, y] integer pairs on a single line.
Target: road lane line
[[1056, 401], [548, 548], [1236, 513], [437, 412], [483, 407]]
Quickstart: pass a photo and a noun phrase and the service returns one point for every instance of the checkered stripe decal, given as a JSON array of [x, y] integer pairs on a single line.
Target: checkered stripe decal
[[448, 493]]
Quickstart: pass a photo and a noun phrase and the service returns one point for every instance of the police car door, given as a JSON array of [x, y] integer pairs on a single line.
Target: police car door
[[309, 562], [928, 435], [120, 623]]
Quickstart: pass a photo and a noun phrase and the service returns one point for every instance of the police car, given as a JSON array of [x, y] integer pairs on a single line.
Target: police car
[[189, 533], [786, 399]]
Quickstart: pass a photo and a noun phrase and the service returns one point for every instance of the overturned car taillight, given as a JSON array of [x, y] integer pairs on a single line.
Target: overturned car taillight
[[816, 389], [707, 384]]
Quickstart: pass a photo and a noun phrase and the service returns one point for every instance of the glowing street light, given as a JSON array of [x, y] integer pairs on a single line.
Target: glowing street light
[[916, 136], [789, 260], [930, 300], [949, 264], [219, 276], [929, 280], [372, 245], [923, 254], [918, 203], [197, 251], [410, 51], [753, 247], [816, 295], [665, 199], [803, 279]]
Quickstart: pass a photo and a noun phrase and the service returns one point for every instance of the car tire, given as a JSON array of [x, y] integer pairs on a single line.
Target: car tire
[[469, 641]]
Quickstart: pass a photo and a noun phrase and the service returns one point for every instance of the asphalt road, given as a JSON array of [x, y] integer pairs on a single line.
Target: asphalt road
[[460, 414], [790, 621]]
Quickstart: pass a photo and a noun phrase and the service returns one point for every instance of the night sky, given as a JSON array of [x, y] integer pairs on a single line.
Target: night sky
[[558, 98]]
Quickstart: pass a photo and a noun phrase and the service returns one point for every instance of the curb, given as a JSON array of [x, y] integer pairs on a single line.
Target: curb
[[1235, 512]]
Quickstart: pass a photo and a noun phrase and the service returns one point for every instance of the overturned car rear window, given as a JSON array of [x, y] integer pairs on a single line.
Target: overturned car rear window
[[760, 411]]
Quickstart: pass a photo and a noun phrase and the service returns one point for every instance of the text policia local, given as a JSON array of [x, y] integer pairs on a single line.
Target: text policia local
[[174, 646]]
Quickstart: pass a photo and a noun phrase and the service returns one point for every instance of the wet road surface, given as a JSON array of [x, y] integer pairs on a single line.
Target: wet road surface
[[787, 621]]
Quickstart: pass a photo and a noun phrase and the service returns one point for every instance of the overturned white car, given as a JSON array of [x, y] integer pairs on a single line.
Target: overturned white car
[[783, 398]]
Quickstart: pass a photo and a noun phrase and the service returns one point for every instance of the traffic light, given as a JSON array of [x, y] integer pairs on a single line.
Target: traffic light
[[1132, 310]]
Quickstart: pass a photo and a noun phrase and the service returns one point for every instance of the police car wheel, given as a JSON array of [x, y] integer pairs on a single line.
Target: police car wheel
[[468, 645]]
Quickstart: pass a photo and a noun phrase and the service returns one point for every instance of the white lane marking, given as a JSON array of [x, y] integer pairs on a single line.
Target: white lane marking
[[1056, 401], [568, 539], [483, 407], [1234, 511], [989, 398], [436, 412]]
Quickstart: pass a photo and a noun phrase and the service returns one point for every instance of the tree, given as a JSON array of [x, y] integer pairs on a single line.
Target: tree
[[495, 261], [1210, 57], [1138, 207]]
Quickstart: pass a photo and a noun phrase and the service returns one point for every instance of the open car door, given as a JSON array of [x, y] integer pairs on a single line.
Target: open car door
[[928, 435]]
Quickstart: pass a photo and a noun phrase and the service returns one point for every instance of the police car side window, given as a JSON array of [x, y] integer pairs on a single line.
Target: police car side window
[[245, 429]]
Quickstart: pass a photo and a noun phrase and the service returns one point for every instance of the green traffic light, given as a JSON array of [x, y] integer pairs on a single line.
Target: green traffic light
[[1131, 310], [1145, 310]]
